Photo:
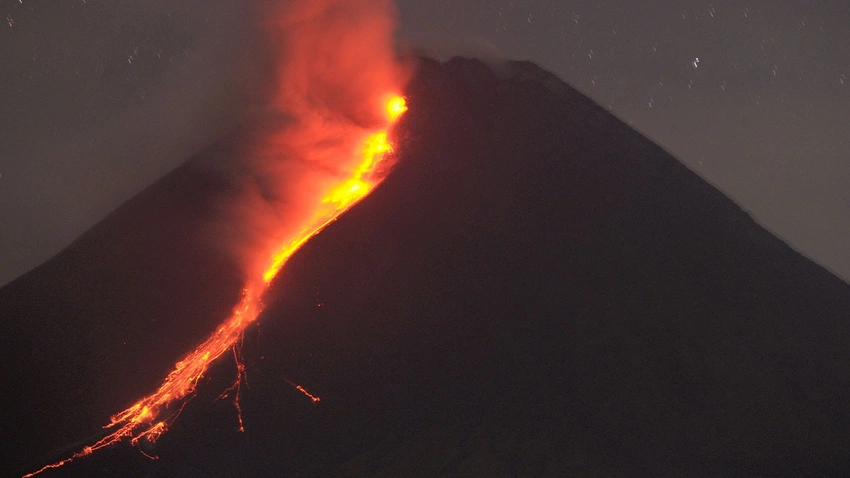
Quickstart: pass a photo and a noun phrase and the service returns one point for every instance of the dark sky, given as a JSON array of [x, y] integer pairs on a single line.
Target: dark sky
[[752, 95], [99, 98]]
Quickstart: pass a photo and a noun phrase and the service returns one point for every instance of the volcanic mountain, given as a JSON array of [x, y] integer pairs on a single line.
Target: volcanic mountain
[[535, 290]]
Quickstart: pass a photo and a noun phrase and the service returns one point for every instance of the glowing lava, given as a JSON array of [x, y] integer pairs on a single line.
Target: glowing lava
[[150, 416], [396, 107]]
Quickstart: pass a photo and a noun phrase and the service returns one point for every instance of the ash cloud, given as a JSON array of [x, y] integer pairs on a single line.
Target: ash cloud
[[331, 66]]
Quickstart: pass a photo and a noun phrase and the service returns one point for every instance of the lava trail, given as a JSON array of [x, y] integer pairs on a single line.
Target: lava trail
[[338, 85]]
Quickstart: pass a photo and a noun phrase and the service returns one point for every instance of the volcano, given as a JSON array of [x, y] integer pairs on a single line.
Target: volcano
[[535, 290]]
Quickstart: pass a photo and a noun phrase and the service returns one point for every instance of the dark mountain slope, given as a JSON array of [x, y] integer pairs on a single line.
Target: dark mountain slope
[[90, 331], [536, 290]]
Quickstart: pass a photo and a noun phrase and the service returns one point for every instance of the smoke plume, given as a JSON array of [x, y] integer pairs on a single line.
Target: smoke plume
[[332, 67]]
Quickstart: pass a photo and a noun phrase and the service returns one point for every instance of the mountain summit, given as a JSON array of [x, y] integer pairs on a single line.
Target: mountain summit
[[535, 290]]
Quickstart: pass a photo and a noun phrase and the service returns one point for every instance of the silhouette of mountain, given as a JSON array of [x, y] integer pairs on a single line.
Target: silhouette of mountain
[[536, 290]]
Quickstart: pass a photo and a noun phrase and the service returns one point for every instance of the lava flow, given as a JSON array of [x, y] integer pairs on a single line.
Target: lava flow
[[150, 416]]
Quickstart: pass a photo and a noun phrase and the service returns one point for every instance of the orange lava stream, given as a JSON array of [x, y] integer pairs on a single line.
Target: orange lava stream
[[144, 419]]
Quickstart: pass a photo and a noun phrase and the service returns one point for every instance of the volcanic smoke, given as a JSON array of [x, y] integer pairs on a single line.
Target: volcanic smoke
[[316, 151]]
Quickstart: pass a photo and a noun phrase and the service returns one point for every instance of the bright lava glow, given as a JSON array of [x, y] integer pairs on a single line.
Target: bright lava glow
[[150, 416], [396, 107]]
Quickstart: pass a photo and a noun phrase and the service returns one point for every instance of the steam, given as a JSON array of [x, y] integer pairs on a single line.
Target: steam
[[332, 67]]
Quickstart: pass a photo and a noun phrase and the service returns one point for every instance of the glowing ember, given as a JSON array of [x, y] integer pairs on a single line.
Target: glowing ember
[[304, 391], [150, 417]]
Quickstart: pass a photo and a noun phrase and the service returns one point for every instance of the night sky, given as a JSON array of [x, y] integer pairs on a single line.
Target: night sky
[[100, 98]]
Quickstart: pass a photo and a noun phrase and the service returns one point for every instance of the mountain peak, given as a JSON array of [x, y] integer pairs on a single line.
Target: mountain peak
[[536, 289]]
